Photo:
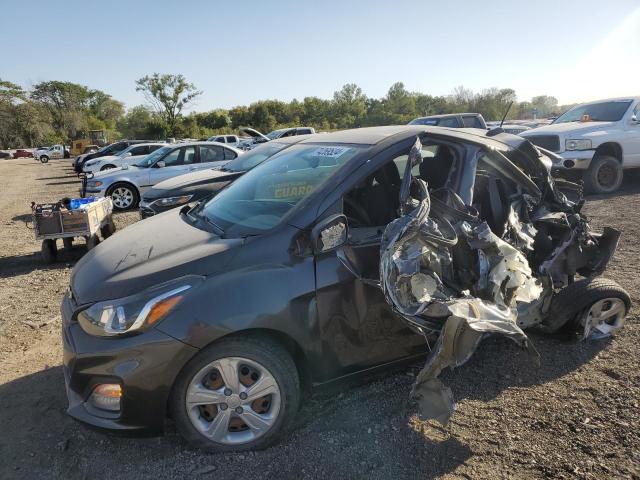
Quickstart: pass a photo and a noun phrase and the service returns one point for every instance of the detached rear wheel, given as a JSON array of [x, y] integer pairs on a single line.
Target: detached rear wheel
[[604, 175], [593, 307], [240, 394]]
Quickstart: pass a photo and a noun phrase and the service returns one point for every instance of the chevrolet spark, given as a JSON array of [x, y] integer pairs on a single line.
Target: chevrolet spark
[[219, 316]]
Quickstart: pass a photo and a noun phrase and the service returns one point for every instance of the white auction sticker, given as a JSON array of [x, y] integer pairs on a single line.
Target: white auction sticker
[[330, 152]]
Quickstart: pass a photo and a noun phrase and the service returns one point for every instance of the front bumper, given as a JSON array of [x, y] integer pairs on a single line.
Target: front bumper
[[574, 160], [145, 365]]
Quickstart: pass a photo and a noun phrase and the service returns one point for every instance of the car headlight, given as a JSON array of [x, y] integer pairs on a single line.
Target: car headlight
[[136, 312], [91, 162], [578, 144], [172, 201], [94, 183]]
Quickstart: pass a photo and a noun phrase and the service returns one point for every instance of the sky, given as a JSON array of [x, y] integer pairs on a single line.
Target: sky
[[240, 52]]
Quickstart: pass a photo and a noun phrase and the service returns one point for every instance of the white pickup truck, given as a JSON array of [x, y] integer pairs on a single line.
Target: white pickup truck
[[596, 141], [49, 153]]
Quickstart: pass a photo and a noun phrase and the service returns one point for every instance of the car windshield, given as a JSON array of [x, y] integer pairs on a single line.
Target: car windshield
[[260, 199], [596, 112], [255, 157], [150, 159]]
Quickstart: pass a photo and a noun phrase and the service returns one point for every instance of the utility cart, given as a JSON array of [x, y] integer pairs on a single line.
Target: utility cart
[[52, 221]]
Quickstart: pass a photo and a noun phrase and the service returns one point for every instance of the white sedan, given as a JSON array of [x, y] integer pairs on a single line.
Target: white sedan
[[125, 185], [131, 154]]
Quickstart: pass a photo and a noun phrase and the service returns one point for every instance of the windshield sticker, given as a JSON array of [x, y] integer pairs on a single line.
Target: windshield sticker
[[330, 152], [292, 190]]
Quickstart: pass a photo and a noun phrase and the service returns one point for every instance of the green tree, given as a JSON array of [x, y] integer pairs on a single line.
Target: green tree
[[169, 95]]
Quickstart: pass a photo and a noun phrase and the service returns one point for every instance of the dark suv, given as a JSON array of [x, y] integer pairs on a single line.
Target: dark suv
[[111, 149]]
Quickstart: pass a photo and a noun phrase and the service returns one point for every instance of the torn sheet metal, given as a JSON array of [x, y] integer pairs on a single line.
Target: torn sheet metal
[[469, 320]]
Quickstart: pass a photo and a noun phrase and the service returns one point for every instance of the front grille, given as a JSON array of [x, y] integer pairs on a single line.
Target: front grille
[[550, 142]]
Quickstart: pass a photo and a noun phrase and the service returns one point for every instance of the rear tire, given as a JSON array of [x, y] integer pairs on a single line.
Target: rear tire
[[568, 305], [107, 230], [272, 359], [604, 175], [49, 251]]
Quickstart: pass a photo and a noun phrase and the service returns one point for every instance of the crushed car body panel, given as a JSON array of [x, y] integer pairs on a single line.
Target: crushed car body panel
[[456, 280]]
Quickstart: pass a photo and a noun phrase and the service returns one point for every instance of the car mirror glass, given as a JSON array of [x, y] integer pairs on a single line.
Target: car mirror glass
[[330, 233], [634, 119], [161, 164]]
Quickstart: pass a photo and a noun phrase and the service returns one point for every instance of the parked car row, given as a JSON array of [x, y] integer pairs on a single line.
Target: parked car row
[[221, 313]]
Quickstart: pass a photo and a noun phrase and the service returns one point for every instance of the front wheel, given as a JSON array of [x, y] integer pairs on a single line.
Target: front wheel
[[239, 394], [604, 175], [44, 159], [124, 196]]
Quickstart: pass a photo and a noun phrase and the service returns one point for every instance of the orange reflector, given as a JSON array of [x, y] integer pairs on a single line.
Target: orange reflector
[[111, 390], [161, 308]]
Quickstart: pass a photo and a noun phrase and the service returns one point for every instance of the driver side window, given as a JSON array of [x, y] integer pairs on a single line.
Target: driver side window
[[172, 158]]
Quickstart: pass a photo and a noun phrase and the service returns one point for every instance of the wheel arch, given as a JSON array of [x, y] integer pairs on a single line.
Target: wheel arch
[[612, 149], [280, 338]]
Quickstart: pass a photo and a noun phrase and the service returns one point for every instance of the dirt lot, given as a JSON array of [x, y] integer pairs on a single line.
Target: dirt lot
[[576, 416]]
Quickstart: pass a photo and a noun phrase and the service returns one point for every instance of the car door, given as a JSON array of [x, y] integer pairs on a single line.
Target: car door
[[211, 156], [632, 138], [176, 162], [358, 327]]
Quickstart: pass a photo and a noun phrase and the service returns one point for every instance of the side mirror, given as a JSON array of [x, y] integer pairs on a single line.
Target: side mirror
[[634, 119], [128, 154], [329, 234], [161, 164]]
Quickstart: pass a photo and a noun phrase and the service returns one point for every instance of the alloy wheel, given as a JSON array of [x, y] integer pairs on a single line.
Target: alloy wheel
[[603, 318], [122, 197], [233, 400]]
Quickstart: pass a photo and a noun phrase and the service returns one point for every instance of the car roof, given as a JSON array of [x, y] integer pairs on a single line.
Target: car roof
[[615, 99], [447, 115]]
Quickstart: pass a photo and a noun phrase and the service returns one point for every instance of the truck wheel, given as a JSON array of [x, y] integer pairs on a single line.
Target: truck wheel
[[604, 175], [44, 159], [593, 307], [49, 251], [238, 394]]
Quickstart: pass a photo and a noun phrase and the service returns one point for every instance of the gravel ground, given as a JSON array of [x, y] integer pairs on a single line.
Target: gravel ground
[[576, 416]]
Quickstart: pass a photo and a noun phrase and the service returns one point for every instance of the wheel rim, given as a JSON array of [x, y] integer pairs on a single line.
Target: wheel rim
[[603, 318], [607, 176], [233, 400], [122, 197]]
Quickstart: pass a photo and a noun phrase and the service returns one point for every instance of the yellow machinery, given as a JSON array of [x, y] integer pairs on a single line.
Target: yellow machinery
[[97, 139]]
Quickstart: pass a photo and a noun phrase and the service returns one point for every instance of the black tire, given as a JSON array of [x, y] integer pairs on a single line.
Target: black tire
[[107, 230], [92, 242], [267, 353], [68, 243], [49, 251], [134, 194], [107, 167], [604, 175], [44, 159], [573, 299]]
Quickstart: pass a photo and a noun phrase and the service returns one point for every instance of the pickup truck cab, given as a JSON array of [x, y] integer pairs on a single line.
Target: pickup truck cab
[[596, 140], [52, 152], [452, 120]]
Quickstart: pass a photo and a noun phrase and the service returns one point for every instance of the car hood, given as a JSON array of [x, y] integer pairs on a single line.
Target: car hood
[[143, 255], [254, 133], [106, 157], [196, 178], [572, 127]]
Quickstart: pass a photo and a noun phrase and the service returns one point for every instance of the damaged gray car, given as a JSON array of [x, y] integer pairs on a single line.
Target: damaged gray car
[[342, 254]]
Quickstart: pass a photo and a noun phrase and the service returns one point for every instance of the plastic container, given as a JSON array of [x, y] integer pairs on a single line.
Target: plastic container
[[77, 203]]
